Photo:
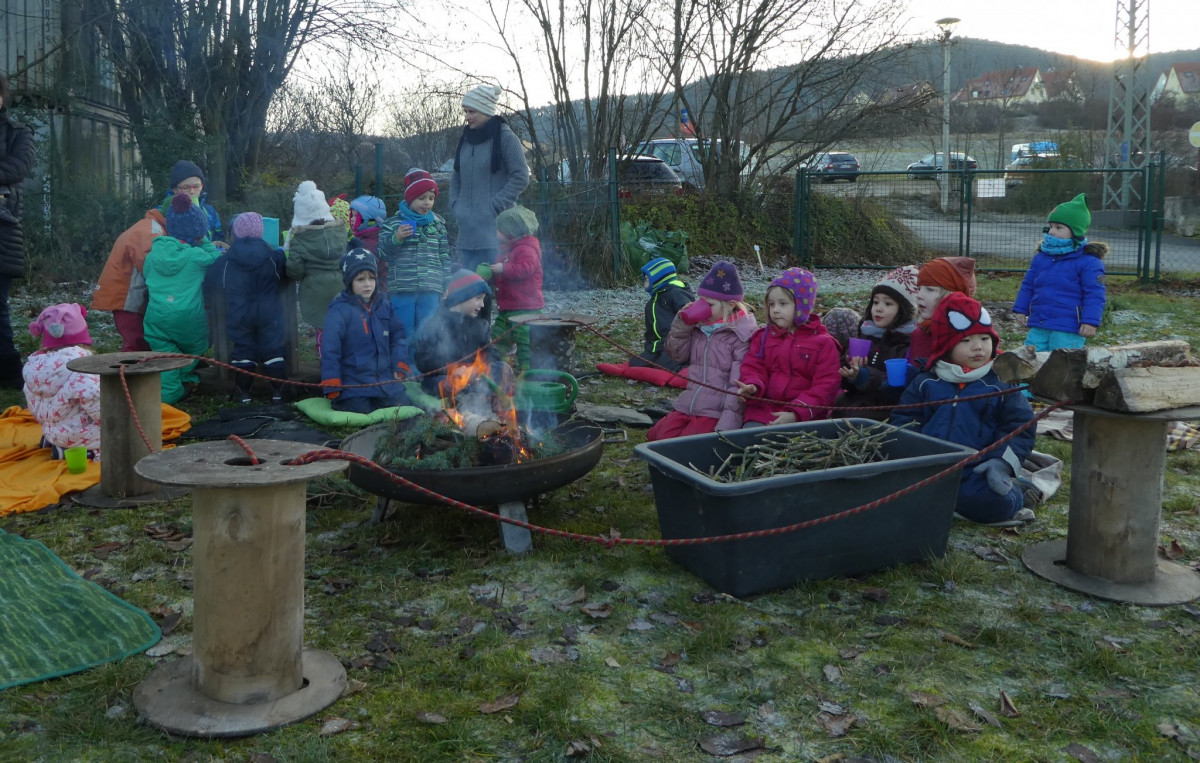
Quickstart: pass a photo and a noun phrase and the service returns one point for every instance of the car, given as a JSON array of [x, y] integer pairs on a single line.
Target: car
[[833, 165], [640, 174], [683, 156], [1013, 179], [930, 164]]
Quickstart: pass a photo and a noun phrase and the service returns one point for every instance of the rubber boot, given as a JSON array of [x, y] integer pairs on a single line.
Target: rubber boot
[[243, 382], [277, 370]]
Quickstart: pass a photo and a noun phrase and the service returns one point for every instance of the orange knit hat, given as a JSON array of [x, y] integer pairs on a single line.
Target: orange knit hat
[[950, 273]]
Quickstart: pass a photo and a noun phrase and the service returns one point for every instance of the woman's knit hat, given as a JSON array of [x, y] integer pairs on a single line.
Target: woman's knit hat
[[186, 221], [802, 285], [309, 205], [950, 273], [482, 98], [247, 225], [356, 261], [517, 222], [183, 170], [661, 272], [954, 319], [417, 182], [722, 282], [1074, 214], [901, 285], [61, 325], [463, 285]]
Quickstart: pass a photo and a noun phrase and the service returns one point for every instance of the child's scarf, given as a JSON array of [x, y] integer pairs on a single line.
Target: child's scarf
[[412, 218]]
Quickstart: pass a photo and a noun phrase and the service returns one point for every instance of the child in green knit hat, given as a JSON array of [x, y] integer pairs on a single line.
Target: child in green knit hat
[[1062, 293], [517, 273]]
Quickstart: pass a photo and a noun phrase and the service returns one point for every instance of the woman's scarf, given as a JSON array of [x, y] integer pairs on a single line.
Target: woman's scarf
[[489, 131]]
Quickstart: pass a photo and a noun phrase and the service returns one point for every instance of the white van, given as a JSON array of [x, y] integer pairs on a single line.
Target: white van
[[1041, 149], [683, 156]]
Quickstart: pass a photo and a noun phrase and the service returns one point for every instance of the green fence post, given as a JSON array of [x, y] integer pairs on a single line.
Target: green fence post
[[797, 206], [614, 213], [1159, 201], [379, 170]]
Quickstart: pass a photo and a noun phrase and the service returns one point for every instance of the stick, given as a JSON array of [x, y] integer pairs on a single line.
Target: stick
[[761, 269]]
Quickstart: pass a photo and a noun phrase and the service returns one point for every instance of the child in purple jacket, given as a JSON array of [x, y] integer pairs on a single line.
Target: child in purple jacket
[[712, 334]]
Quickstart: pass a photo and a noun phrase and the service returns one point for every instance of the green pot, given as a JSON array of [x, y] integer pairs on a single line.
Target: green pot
[[535, 393]]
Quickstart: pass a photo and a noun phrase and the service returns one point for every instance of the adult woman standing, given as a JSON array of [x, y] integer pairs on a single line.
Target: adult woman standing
[[489, 174], [16, 162]]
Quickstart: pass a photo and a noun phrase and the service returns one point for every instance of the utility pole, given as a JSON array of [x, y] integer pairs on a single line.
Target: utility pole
[[1128, 145]]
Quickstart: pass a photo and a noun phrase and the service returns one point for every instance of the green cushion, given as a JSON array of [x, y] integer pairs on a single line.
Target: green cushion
[[320, 410]]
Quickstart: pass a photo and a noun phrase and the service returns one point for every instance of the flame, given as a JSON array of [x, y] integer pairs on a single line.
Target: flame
[[459, 378]]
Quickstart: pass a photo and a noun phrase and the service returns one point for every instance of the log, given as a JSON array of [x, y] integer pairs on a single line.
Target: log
[[1075, 374], [1019, 365], [1140, 390]]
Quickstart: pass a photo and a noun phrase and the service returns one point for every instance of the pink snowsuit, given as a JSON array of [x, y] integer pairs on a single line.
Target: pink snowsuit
[[64, 402]]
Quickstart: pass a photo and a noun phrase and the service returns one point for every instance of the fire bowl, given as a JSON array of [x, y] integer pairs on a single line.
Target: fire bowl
[[481, 485]]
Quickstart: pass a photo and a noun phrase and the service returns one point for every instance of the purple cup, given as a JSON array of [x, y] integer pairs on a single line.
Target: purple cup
[[860, 348]]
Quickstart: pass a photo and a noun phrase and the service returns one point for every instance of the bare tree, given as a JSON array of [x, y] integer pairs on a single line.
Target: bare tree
[[424, 122]]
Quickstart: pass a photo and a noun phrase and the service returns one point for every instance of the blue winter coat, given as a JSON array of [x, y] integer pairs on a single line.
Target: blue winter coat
[[974, 423], [1061, 292], [363, 344], [247, 277]]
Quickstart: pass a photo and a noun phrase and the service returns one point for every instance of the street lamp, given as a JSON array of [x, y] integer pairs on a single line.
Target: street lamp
[[947, 26]]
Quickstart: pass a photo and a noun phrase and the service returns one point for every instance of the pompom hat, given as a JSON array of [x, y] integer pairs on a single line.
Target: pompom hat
[[247, 225], [722, 282], [954, 319], [482, 98], [901, 285], [1074, 214], [186, 221], [61, 325], [463, 285], [802, 285], [950, 273], [418, 182], [309, 205], [356, 261]]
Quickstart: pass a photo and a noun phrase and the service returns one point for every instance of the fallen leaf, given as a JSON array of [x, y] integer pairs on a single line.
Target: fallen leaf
[[1172, 551], [178, 545], [833, 673], [105, 549], [506, 702], [725, 745], [549, 655], [990, 554], [612, 662], [1191, 610], [641, 625], [1081, 753], [169, 623], [925, 699], [1007, 708], [578, 597], [670, 659], [597, 611], [877, 595], [353, 686], [722, 718], [335, 725], [1108, 646], [836, 725], [425, 716], [984, 714], [950, 638], [955, 719], [849, 653], [577, 748]]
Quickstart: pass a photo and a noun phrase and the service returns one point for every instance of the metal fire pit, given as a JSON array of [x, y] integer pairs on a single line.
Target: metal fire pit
[[482, 485]]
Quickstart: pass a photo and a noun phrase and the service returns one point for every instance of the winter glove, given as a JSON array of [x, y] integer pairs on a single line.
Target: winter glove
[[484, 271], [999, 475]]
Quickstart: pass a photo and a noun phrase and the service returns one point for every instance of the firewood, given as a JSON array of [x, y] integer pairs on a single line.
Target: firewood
[[1140, 390], [1075, 374], [1019, 365]]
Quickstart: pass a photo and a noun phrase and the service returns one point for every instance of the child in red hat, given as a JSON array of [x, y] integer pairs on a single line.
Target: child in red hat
[[66, 403], [964, 343]]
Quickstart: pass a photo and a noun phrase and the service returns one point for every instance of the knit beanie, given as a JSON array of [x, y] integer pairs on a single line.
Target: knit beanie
[[482, 98], [1074, 214], [417, 182], [661, 272], [803, 287], [247, 225], [183, 170], [842, 323], [463, 285], [901, 285], [722, 282], [339, 208], [950, 273], [186, 221], [516, 222], [954, 319], [356, 261], [61, 326], [309, 205], [371, 208]]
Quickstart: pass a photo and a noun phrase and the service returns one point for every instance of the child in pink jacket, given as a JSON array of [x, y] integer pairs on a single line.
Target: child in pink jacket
[[791, 371], [711, 334], [66, 403]]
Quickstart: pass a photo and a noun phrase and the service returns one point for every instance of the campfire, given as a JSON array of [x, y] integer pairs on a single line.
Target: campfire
[[480, 407]]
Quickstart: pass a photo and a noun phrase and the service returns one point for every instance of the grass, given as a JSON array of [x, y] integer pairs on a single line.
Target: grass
[[431, 616]]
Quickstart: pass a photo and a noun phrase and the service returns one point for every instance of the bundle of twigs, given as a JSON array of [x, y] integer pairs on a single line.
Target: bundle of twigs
[[780, 453]]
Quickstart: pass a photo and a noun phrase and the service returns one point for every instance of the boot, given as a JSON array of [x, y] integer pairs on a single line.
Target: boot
[[243, 383], [10, 371], [277, 370]]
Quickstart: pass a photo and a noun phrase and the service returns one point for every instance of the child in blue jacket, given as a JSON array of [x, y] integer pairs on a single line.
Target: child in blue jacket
[[363, 342], [1063, 291], [960, 365]]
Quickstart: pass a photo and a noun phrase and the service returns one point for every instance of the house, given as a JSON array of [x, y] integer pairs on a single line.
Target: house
[[1061, 86], [914, 93], [1004, 87], [1181, 81]]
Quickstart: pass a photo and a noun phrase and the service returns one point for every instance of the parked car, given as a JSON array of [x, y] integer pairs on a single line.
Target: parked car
[[683, 156], [640, 174], [928, 165], [833, 165]]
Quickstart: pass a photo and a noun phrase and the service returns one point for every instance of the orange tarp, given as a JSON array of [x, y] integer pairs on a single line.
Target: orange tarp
[[29, 480]]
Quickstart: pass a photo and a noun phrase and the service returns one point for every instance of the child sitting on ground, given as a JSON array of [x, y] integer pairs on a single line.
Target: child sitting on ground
[[935, 280], [712, 334], [174, 270], [364, 343], [518, 275], [888, 324], [315, 245], [960, 365], [416, 248], [66, 403], [790, 372], [668, 295], [247, 278], [1063, 292]]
